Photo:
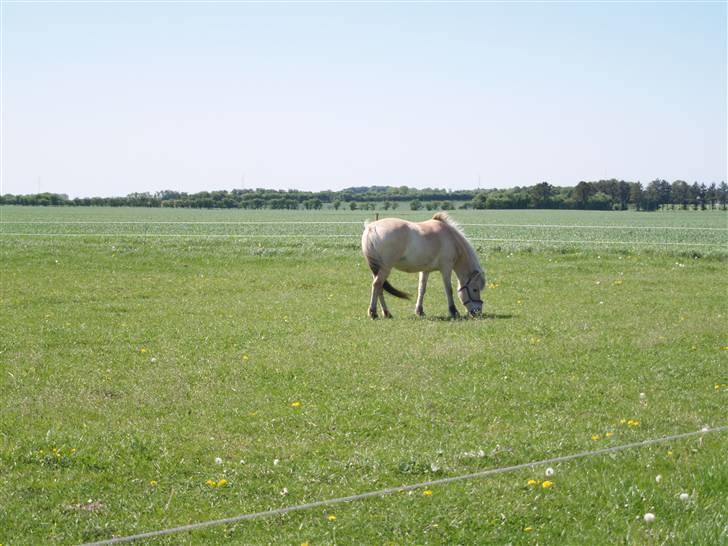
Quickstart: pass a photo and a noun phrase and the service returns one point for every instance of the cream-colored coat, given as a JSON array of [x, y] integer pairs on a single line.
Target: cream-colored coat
[[434, 245]]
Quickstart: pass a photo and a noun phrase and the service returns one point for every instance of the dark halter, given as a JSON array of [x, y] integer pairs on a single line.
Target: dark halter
[[466, 287]]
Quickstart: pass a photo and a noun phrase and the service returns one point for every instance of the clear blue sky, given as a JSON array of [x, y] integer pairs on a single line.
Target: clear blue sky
[[113, 98]]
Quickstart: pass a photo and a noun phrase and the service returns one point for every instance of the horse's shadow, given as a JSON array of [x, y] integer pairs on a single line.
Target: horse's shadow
[[484, 316]]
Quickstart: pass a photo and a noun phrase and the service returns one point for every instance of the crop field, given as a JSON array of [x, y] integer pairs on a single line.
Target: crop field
[[163, 367]]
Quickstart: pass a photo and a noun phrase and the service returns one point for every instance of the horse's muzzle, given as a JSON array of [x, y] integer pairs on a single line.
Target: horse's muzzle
[[476, 312]]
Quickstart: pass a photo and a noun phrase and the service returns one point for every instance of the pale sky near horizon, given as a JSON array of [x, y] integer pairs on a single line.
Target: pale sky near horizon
[[113, 98]]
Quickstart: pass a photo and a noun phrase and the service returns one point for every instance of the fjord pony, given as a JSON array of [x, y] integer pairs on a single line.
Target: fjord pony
[[434, 245]]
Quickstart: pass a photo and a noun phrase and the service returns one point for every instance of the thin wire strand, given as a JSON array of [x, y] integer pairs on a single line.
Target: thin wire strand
[[336, 222], [346, 236], [391, 490]]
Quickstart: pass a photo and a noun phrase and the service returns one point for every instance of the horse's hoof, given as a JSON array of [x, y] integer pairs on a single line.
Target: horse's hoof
[[387, 314], [420, 312], [372, 315]]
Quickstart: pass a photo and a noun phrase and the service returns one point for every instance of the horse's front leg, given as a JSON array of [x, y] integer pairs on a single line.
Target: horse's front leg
[[419, 311], [446, 279]]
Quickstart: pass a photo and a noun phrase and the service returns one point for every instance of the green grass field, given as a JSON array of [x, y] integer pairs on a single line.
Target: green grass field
[[137, 346]]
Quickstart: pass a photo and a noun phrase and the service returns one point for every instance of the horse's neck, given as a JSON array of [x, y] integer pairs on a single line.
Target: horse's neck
[[466, 264]]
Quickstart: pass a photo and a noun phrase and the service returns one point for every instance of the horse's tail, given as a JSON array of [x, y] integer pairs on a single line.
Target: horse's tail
[[374, 266]]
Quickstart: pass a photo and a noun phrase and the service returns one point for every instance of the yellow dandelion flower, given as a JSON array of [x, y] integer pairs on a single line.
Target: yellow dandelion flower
[[296, 404], [246, 358], [724, 348], [331, 517], [143, 350], [609, 434], [427, 492], [211, 483], [304, 543], [618, 282], [222, 483], [527, 529], [533, 482], [622, 421], [596, 437], [547, 484], [633, 423]]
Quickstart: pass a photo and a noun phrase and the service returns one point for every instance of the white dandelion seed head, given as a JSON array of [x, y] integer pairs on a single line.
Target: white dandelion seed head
[[684, 497], [658, 478], [649, 517], [642, 396], [434, 467], [549, 472], [276, 461], [218, 460]]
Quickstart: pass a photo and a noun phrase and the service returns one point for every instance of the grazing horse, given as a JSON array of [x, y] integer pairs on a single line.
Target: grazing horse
[[437, 244]]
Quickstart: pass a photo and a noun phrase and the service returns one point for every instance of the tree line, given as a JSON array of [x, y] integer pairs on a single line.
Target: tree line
[[596, 195]]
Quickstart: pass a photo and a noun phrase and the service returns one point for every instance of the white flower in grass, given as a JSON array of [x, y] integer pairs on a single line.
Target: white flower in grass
[[549, 472], [684, 497], [658, 478], [276, 461], [649, 517], [218, 460]]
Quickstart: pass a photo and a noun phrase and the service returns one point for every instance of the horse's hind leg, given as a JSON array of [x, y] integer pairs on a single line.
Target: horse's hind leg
[[385, 310], [376, 290], [378, 294], [419, 311]]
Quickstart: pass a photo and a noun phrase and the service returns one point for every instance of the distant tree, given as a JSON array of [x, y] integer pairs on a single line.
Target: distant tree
[[415, 204], [312, 204], [353, 205], [636, 195], [680, 192], [599, 201], [582, 192], [723, 195], [541, 195], [712, 195], [337, 204]]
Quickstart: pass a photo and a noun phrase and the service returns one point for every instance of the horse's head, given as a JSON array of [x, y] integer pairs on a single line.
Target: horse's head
[[470, 292]]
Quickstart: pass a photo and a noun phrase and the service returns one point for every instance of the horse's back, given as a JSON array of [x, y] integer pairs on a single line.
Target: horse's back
[[407, 246]]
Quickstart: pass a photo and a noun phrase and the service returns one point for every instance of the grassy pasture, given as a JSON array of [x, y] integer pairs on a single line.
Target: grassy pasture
[[134, 353]]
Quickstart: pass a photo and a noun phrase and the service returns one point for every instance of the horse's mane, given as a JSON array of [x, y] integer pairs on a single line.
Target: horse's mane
[[463, 245]]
